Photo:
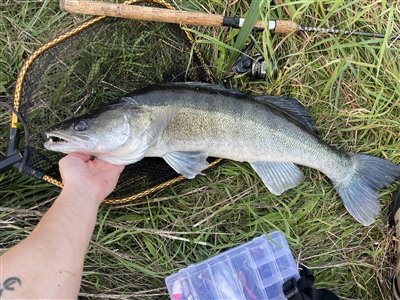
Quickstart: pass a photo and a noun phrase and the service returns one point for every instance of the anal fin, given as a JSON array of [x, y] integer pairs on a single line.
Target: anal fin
[[188, 164], [278, 176]]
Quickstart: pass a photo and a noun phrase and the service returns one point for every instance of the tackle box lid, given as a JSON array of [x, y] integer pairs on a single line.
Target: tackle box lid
[[254, 270]]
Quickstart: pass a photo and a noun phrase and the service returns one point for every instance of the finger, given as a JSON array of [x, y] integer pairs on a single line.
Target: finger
[[105, 164], [120, 168], [83, 156]]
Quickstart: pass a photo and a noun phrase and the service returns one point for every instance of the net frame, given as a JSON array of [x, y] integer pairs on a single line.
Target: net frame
[[13, 141]]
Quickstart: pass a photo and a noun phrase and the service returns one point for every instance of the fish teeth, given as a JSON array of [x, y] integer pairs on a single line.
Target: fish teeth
[[56, 140]]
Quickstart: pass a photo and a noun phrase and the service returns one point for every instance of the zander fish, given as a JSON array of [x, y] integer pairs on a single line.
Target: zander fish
[[184, 123]]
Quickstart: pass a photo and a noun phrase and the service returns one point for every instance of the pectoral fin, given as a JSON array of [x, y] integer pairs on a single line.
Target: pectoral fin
[[189, 164], [160, 121], [278, 176]]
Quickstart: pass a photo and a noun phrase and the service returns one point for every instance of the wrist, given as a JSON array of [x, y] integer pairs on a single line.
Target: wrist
[[80, 195]]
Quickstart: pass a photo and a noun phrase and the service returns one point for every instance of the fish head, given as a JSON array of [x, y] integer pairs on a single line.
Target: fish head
[[96, 133]]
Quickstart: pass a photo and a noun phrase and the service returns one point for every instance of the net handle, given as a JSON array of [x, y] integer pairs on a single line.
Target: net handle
[[181, 17], [141, 13]]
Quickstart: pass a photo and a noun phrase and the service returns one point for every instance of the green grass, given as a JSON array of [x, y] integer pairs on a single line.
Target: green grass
[[352, 88]]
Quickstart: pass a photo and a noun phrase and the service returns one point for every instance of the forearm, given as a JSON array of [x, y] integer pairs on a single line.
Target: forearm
[[49, 261]]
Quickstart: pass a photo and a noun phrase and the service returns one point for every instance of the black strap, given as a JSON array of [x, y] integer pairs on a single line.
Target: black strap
[[394, 207], [303, 289]]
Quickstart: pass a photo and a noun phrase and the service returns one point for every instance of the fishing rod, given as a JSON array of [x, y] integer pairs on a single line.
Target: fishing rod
[[197, 18]]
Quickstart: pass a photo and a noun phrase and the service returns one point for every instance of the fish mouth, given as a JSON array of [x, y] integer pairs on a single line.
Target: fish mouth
[[57, 141]]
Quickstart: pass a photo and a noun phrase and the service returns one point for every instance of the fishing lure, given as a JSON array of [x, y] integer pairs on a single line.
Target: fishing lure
[[209, 291], [181, 290], [226, 282], [177, 290], [245, 285]]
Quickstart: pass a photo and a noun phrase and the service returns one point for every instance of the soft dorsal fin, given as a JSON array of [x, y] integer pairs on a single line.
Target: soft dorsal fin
[[291, 107]]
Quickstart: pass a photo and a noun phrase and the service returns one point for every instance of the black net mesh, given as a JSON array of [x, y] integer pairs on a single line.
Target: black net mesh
[[96, 67]]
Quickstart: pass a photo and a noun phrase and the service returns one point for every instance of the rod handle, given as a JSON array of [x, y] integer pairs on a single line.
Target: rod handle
[[279, 26], [141, 13]]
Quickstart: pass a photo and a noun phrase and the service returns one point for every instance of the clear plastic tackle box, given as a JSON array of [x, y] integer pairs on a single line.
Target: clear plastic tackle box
[[254, 270]]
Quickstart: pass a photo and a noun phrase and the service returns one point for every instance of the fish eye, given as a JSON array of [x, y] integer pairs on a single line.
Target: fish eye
[[80, 125]]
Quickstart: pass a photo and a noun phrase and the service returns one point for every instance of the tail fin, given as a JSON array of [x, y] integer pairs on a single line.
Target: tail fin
[[359, 189]]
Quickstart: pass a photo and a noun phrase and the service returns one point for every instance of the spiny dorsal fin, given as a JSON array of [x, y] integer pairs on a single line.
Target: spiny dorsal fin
[[204, 86], [291, 107]]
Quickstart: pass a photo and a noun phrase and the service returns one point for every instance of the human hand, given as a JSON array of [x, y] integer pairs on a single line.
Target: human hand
[[88, 179]]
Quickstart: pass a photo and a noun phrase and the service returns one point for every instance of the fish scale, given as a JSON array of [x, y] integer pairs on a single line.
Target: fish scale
[[256, 131]]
